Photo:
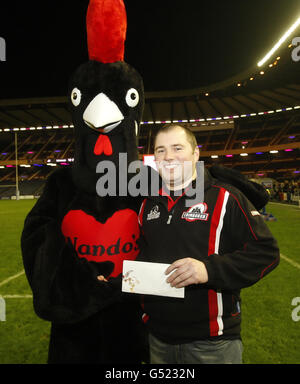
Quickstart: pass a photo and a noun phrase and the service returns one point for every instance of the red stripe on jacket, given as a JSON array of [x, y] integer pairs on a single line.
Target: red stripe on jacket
[[212, 294]]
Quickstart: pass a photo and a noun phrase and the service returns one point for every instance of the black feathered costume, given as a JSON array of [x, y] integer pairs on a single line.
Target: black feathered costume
[[72, 235]]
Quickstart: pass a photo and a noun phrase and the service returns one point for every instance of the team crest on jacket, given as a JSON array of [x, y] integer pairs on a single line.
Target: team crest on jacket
[[196, 212], [154, 213]]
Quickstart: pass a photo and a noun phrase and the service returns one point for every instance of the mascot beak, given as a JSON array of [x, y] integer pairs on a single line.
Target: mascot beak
[[102, 114]]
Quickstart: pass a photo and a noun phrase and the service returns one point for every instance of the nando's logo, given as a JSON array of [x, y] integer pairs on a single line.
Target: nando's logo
[[96, 250]]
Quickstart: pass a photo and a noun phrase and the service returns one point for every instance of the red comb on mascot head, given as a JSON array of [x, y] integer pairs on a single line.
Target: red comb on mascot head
[[72, 235], [111, 32]]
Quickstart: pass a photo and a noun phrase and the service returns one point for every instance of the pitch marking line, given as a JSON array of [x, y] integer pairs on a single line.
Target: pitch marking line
[[16, 296], [292, 262], [285, 205], [12, 278]]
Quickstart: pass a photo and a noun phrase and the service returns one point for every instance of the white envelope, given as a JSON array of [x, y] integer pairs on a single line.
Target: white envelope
[[148, 278]]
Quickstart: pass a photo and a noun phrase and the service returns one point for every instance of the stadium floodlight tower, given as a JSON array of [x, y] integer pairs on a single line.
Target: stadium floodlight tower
[[17, 174]]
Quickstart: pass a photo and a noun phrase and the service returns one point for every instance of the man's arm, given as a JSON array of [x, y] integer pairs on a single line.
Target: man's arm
[[256, 253]]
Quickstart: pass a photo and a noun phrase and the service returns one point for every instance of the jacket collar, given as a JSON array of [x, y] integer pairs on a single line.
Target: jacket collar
[[165, 198]]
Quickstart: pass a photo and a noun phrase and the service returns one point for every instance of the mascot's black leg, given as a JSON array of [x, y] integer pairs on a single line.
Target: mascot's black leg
[[115, 335], [123, 335], [78, 343]]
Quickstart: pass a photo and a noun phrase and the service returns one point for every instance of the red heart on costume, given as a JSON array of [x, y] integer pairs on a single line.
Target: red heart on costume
[[103, 145], [114, 241]]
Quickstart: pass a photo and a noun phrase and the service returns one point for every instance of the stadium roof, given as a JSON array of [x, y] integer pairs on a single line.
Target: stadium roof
[[252, 95], [175, 45], [257, 106]]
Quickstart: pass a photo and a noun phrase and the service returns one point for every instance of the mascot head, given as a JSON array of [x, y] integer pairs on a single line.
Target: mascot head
[[106, 96]]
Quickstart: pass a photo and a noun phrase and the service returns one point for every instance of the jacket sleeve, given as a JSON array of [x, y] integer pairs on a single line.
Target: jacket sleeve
[[253, 252], [65, 288]]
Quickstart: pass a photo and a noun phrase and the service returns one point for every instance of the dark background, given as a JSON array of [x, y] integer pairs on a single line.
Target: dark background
[[174, 44]]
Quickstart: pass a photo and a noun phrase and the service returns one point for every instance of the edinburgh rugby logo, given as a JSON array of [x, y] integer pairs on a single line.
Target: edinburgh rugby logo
[[196, 212], [154, 213]]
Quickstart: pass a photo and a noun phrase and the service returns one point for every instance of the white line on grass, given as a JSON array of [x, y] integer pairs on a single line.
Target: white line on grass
[[292, 262], [285, 205], [17, 296], [12, 278]]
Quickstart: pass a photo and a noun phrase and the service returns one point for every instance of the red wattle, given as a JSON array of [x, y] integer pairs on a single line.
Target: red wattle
[[103, 145]]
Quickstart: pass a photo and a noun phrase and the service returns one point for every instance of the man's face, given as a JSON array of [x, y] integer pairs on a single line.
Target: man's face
[[175, 158]]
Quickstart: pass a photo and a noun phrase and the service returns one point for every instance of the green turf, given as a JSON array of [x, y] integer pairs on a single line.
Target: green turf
[[288, 233], [24, 337], [12, 215], [269, 333]]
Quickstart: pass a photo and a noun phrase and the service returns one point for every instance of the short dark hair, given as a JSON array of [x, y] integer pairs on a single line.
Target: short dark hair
[[169, 127]]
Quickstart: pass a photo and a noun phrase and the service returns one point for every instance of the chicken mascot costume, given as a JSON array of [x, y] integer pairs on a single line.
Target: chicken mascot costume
[[72, 235]]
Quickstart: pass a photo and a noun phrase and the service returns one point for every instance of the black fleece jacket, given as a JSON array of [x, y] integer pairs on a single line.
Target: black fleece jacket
[[228, 235]]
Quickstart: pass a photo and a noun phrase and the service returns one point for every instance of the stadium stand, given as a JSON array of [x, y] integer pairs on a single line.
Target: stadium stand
[[250, 122]]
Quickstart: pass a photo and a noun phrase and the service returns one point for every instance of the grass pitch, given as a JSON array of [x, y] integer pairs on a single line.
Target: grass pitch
[[270, 335]]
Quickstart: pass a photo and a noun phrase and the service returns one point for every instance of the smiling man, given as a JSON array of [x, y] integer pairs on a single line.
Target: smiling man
[[176, 153], [215, 248]]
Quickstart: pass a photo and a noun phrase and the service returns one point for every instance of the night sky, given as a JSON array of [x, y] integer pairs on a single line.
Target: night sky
[[174, 44]]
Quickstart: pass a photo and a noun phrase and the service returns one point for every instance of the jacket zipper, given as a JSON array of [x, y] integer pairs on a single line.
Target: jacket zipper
[[169, 219], [170, 216]]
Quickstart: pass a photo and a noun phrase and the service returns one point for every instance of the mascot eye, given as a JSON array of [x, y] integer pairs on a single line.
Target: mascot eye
[[132, 97], [76, 97]]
